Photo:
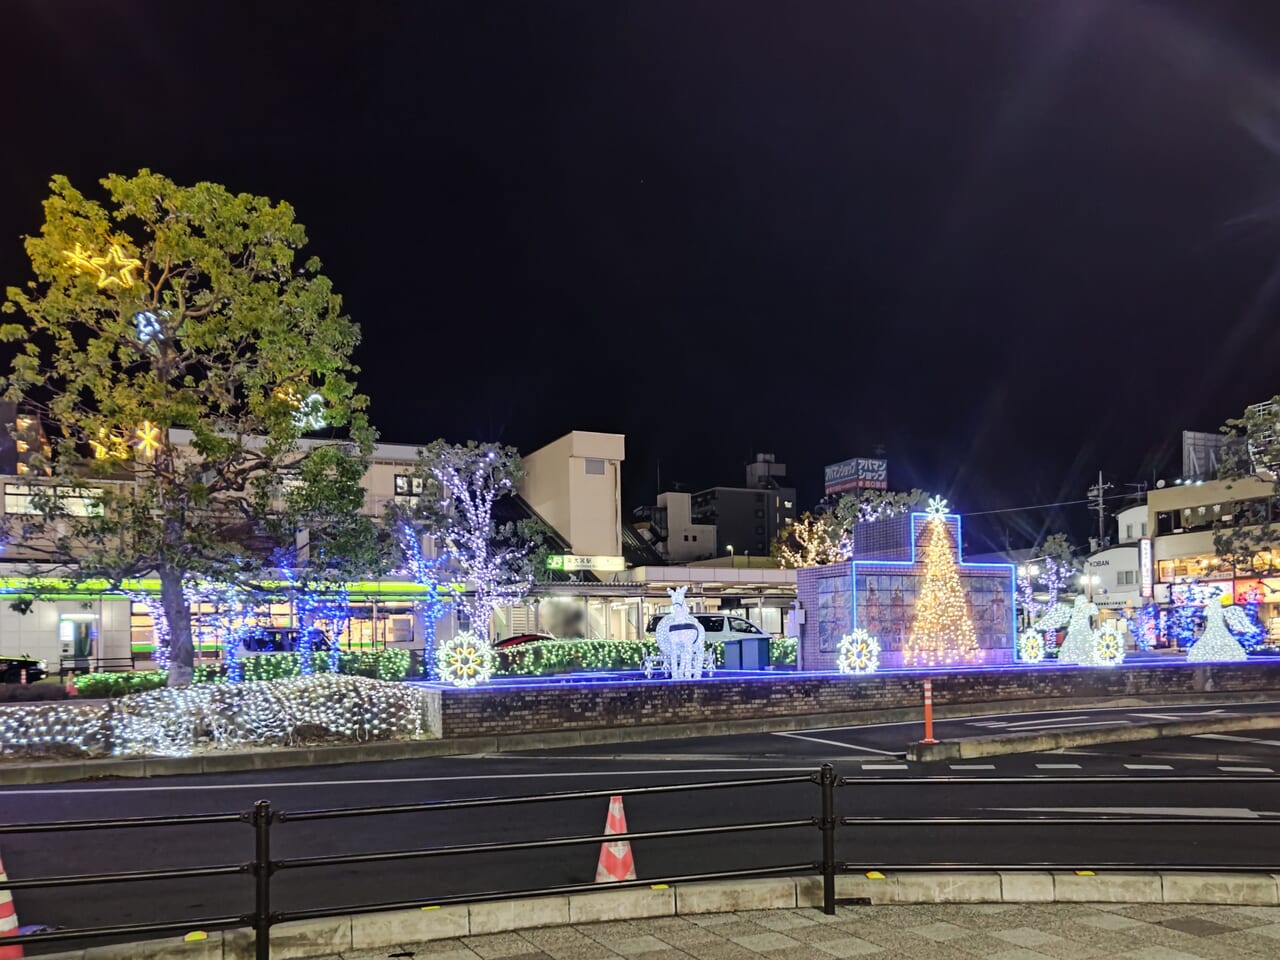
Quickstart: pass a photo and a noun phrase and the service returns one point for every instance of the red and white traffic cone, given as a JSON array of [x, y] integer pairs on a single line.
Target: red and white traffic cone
[[8, 921], [71, 685], [616, 862]]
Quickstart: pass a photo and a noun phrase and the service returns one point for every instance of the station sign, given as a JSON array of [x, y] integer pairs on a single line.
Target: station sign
[[569, 563], [858, 473]]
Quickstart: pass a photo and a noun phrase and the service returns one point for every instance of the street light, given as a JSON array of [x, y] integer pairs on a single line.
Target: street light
[[729, 547]]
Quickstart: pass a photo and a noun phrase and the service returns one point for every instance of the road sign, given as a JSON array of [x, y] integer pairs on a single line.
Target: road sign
[[568, 562]]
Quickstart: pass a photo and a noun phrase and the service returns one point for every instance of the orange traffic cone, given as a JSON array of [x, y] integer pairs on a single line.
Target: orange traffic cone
[[616, 862], [8, 921], [71, 685]]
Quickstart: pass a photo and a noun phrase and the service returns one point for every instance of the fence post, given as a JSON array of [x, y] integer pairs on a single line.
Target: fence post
[[262, 817], [827, 782]]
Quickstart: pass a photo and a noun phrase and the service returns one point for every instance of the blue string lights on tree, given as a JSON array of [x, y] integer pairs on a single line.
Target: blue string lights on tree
[[315, 603], [425, 571], [1257, 634]]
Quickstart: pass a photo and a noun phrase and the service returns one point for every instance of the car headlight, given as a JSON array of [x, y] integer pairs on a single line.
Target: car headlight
[[43, 664]]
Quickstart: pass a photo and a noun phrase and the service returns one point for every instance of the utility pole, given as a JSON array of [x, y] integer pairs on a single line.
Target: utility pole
[[1098, 493]]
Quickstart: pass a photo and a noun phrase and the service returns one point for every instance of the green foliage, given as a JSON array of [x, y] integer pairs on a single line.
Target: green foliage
[[99, 685], [391, 665], [247, 345], [1252, 450], [544, 657]]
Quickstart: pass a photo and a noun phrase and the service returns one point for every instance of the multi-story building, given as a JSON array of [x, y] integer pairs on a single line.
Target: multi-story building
[[670, 528], [748, 519]]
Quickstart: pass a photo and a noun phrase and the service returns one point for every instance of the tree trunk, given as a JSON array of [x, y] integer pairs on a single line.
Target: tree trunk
[[177, 613]]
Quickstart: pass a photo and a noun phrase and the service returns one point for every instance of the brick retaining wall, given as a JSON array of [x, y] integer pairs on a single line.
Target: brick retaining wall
[[488, 711]]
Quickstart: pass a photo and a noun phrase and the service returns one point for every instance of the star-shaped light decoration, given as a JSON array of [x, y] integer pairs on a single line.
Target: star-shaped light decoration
[[109, 446], [113, 270], [937, 508], [146, 440]]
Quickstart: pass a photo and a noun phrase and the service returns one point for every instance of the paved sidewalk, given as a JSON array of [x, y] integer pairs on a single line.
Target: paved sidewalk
[[1051, 931]]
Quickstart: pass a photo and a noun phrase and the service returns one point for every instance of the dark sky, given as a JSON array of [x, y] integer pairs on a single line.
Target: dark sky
[[1013, 242]]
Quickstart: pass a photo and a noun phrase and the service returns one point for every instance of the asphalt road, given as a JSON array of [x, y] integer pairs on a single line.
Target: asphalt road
[[1250, 809]]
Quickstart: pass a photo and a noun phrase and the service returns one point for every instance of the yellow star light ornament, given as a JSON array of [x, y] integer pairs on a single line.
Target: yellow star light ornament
[[114, 270], [109, 446]]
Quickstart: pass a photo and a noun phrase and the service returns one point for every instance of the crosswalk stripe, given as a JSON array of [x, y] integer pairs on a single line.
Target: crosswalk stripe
[[1246, 770], [884, 766], [972, 766], [1057, 766], [1147, 766]]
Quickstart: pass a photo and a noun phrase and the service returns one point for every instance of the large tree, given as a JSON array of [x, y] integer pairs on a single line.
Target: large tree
[[1251, 453], [461, 483], [173, 339]]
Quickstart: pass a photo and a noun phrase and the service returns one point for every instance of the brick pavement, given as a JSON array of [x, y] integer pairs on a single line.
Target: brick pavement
[[1051, 931]]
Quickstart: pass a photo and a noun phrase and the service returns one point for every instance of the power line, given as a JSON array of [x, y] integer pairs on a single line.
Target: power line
[[1046, 506]]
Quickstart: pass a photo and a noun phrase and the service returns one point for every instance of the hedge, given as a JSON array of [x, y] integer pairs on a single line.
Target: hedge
[[542, 657], [376, 665]]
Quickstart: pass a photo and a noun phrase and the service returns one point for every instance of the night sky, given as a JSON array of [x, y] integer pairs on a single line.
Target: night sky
[[1010, 242]]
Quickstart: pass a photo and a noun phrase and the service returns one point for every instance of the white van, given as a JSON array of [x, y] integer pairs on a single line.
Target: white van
[[720, 627]]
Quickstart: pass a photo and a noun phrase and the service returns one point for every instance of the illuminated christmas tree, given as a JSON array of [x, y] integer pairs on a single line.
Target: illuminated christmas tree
[[941, 631]]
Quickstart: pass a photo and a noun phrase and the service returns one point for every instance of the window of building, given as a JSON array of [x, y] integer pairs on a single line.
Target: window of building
[[686, 538], [695, 538], [1144, 528], [595, 466], [759, 531], [759, 514], [1126, 578], [22, 500], [1128, 531], [407, 485]]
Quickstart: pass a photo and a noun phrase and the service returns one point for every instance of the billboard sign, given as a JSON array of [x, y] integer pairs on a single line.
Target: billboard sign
[[859, 473], [1146, 568]]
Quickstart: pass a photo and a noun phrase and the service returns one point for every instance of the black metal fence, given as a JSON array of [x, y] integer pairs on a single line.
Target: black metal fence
[[264, 819]]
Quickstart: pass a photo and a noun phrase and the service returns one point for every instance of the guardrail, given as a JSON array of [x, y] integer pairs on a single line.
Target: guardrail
[[264, 819]]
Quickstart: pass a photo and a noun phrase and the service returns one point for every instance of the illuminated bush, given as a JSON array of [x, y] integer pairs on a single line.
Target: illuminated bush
[[178, 721], [543, 657], [375, 664]]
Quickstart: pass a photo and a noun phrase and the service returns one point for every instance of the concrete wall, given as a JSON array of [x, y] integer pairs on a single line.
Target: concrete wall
[[35, 633], [542, 708]]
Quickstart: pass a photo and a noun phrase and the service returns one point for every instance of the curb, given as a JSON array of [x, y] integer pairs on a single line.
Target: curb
[[28, 772], [308, 939], [1002, 744]]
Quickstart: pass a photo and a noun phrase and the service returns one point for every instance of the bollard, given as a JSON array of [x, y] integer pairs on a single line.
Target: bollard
[[928, 713]]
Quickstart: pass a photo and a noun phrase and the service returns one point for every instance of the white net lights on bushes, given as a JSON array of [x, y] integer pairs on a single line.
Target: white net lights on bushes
[[176, 721]]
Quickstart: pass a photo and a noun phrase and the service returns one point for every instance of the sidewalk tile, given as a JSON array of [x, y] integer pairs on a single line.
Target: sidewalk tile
[[848, 947], [1027, 936], [762, 942], [1018, 953], [494, 946], [940, 931], [1112, 921], [1158, 953], [630, 946]]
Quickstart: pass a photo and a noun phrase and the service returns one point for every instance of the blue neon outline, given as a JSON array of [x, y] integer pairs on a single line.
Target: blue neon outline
[[960, 561]]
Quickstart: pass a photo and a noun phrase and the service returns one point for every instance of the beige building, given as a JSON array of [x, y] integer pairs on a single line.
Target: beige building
[[575, 484]]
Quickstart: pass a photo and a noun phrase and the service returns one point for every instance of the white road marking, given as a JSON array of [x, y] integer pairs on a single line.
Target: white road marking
[[1227, 736], [1057, 766], [1246, 770], [1178, 716], [973, 766], [884, 766], [185, 787], [837, 743], [1231, 813], [1029, 723], [1147, 766]]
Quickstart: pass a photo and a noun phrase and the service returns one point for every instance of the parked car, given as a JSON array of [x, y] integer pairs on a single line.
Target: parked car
[[280, 640], [11, 669], [720, 627], [522, 638]]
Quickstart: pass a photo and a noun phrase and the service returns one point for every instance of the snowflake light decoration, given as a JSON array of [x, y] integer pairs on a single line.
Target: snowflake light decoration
[[465, 660], [146, 440], [937, 508], [1108, 645], [859, 652], [1031, 647]]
